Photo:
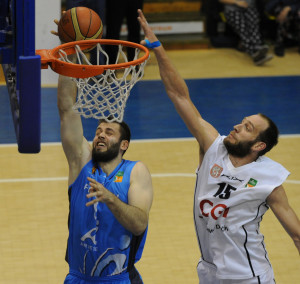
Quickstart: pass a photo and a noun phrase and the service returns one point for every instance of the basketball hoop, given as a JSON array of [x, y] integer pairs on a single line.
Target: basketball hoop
[[103, 89]]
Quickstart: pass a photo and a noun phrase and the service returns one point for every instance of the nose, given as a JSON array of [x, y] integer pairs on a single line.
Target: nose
[[100, 135], [237, 127]]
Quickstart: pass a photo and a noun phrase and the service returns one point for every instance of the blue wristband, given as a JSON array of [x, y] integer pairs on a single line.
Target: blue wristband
[[152, 44]]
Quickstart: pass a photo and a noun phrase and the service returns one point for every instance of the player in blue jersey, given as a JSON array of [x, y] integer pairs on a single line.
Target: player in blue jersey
[[110, 198]]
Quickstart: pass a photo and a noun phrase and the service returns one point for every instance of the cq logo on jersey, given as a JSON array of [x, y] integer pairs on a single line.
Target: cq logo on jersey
[[216, 211], [216, 171]]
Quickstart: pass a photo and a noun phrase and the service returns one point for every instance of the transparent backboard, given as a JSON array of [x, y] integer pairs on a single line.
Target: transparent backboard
[[22, 70]]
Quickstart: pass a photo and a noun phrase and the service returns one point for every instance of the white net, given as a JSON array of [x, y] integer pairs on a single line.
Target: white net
[[104, 96]]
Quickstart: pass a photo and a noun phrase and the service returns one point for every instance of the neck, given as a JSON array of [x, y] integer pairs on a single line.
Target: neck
[[238, 162], [108, 167]]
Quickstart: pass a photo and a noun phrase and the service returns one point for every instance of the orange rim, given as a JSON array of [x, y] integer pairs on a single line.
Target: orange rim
[[50, 57]]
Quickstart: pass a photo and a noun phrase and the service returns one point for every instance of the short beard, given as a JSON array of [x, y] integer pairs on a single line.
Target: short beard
[[240, 150], [111, 153]]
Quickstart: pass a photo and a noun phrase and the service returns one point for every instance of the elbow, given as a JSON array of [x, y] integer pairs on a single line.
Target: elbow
[[140, 229], [295, 234], [138, 232], [141, 226], [297, 244], [296, 239]]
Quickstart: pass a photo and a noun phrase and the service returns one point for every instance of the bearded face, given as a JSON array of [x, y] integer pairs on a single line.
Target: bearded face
[[108, 155], [241, 149]]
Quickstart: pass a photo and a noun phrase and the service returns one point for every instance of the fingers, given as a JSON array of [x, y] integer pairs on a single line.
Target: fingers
[[92, 181], [94, 192], [98, 193], [142, 20], [54, 33], [141, 15], [149, 34], [91, 202], [94, 187]]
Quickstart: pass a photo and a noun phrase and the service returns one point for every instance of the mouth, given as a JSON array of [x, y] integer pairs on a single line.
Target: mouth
[[231, 136], [100, 145]]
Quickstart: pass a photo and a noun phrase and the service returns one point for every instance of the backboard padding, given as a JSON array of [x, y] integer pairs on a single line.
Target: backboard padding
[[22, 72]]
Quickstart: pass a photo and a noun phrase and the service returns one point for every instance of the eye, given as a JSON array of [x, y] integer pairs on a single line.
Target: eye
[[109, 132], [248, 128]]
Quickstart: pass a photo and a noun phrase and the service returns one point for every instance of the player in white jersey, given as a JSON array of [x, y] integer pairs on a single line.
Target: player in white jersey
[[235, 186]]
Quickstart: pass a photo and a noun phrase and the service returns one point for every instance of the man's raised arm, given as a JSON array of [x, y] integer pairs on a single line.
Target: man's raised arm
[[178, 92], [76, 148]]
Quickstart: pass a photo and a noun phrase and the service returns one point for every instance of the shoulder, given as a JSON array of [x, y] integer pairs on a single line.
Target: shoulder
[[135, 168], [140, 170], [270, 164], [140, 167], [217, 148], [217, 145], [271, 170]]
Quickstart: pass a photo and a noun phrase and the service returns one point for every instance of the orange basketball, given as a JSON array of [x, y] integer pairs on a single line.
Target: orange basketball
[[80, 23]]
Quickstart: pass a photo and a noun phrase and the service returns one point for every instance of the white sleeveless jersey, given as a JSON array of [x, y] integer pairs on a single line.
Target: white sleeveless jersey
[[229, 205]]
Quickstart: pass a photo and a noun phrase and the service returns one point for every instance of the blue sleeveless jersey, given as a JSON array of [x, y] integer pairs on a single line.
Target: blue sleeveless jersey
[[98, 245]]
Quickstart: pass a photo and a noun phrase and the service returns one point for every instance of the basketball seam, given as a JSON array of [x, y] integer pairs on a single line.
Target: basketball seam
[[99, 31], [91, 15], [65, 33]]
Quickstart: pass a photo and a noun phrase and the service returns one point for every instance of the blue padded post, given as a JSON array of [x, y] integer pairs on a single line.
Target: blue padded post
[[29, 139], [28, 79]]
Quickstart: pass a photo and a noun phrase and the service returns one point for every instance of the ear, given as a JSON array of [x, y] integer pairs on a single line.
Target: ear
[[124, 145], [259, 146]]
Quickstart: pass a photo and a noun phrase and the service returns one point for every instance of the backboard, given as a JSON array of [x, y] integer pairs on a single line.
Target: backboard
[[22, 70]]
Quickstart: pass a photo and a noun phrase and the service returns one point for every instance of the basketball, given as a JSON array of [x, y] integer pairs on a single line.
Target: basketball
[[79, 23]]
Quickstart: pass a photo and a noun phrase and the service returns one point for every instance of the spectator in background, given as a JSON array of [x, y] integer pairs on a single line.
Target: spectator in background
[[116, 12], [287, 15], [244, 19], [218, 31]]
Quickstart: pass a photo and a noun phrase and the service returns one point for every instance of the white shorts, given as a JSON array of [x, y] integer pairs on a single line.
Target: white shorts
[[207, 275]]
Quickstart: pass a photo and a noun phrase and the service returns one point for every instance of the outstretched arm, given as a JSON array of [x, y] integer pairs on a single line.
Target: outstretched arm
[[134, 215], [279, 204], [76, 148], [178, 92]]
